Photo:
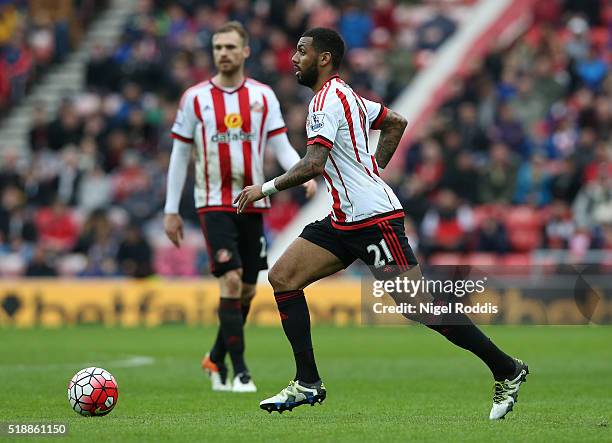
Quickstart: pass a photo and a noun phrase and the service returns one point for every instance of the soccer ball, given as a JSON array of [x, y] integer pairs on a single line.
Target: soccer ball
[[92, 392]]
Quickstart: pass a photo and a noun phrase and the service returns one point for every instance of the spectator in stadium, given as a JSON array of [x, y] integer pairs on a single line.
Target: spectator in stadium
[[497, 179], [43, 39], [10, 170], [56, 227], [548, 84], [18, 61], [434, 32], [95, 190], [413, 194], [17, 228], [40, 179], [602, 113], [134, 255], [355, 25], [66, 183], [101, 254], [592, 69], [473, 138], [33, 35], [562, 140], [39, 129], [510, 131], [130, 178], [533, 182], [431, 167], [450, 142], [567, 182], [102, 71], [529, 106], [593, 205], [5, 86], [549, 90], [559, 227], [492, 236], [132, 187], [602, 159], [114, 146], [9, 21], [131, 100], [585, 148], [446, 226], [462, 177], [578, 44], [67, 128], [40, 265], [603, 240]]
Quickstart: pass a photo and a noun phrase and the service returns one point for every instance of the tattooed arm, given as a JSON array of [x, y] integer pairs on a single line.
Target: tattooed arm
[[309, 167], [392, 129]]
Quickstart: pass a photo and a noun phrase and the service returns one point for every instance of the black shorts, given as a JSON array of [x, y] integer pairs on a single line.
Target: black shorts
[[382, 245], [235, 241]]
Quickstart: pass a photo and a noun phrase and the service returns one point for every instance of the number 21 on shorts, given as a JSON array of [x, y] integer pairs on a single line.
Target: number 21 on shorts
[[379, 262]]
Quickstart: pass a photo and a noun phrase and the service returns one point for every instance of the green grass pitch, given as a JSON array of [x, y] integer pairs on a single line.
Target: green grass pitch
[[384, 384]]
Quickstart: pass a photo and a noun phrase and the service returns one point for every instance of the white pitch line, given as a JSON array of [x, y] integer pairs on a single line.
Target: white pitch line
[[128, 362], [137, 360]]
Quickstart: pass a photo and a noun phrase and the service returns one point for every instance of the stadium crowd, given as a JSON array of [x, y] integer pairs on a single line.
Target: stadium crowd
[[33, 36], [518, 157]]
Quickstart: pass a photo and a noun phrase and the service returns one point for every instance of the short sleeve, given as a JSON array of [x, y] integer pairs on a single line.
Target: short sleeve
[[322, 125], [274, 124], [376, 113], [186, 119]]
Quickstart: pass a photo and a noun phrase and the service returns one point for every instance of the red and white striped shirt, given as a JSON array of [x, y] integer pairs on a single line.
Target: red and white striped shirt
[[340, 120], [230, 129]]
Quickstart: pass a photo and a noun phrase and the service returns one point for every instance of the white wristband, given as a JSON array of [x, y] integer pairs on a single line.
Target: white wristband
[[268, 188]]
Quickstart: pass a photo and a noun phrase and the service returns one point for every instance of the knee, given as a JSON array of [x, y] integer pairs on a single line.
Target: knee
[[280, 279], [231, 284], [248, 292]]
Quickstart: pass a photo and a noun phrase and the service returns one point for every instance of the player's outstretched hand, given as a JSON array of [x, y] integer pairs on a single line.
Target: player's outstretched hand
[[173, 225], [247, 196], [311, 188]]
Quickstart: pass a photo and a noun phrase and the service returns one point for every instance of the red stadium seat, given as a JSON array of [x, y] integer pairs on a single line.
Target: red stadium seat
[[523, 216], [524, 225], [484, 212], [518, 259], [480, 259], [481, 213], [446, 259], [599, 37], [524, 239]]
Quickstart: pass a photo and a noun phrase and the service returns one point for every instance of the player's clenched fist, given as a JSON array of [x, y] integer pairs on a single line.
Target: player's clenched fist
[[173, 225], [247, 196], [311, 188]]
